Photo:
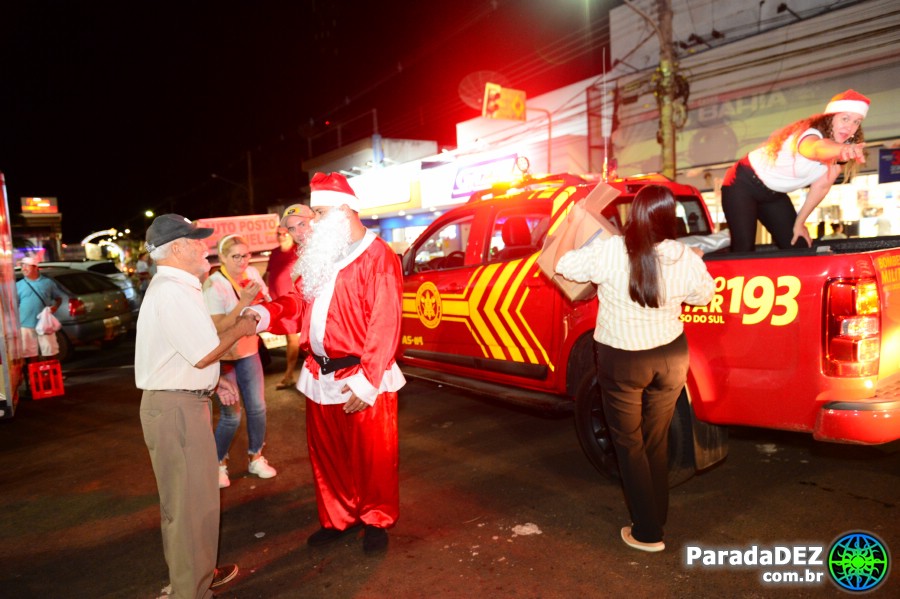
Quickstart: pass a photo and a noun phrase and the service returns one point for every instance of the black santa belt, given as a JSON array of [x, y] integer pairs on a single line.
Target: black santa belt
[[328, 365]]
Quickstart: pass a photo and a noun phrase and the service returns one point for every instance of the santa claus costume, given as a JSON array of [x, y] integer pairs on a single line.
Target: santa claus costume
[[350, 330]]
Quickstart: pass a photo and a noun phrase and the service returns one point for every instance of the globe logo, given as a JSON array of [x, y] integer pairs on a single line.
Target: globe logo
[[858, 561]]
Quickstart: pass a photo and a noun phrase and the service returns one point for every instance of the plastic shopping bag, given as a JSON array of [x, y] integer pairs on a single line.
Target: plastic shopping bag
[[47, 324]]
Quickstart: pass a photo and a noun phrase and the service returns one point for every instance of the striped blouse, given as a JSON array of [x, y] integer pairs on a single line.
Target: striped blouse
[[623, 323]]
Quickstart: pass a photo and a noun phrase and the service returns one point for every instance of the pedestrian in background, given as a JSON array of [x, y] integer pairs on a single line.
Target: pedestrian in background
[[837, 232], [292, 234], [641, 351], [177, 349], [808, 153], [36, 292], [347, 301], [143, 272], [227, 291]]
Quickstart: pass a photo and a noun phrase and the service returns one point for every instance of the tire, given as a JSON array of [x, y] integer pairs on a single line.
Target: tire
[[681, 443], [593, 434], [66, 349], [591, 429]]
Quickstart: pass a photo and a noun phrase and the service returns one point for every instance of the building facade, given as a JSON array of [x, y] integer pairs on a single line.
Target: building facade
[[771, 65]]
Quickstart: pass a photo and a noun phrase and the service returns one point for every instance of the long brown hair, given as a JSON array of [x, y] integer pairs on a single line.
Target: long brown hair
[[822, 124], [652, 220]]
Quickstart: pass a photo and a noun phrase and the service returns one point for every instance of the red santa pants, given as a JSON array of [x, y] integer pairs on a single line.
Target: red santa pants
[[355, 462]]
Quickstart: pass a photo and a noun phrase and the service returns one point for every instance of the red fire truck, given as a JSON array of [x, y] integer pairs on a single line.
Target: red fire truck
[[800, 340]]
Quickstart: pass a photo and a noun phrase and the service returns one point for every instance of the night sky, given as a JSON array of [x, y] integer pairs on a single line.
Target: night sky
[[119, 107]]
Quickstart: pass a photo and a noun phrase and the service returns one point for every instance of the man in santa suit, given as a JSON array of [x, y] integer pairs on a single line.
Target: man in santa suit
[[347, 307]]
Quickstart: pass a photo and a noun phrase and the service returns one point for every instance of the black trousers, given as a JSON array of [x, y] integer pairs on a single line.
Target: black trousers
[[746, 199], [639, 391]]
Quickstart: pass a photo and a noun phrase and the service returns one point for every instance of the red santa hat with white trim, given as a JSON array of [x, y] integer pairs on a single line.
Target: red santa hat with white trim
[[848, 101], [332, 190]]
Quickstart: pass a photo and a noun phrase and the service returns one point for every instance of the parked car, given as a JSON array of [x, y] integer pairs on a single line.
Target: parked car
[[109, 269], [94, 311]]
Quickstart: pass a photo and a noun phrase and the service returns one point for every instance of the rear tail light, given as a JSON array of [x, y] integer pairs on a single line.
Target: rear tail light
[[76, 307], [852, 328]]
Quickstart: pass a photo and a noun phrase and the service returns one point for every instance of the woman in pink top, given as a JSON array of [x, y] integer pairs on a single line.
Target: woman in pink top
[[227, 291]]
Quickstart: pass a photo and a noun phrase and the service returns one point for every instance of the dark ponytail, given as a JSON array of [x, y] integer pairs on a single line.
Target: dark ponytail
[[652, 220]]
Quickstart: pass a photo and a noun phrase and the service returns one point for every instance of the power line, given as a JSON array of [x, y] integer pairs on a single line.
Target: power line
[[574, 45]]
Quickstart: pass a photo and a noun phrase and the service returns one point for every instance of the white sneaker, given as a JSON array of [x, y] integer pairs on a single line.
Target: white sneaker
[[260, 467], [224, 481]]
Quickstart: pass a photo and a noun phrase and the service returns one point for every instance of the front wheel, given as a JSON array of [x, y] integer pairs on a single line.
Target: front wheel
[[591, 429], [593, 434]]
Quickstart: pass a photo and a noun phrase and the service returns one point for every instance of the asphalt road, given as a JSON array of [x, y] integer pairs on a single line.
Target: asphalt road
[[495, 502]]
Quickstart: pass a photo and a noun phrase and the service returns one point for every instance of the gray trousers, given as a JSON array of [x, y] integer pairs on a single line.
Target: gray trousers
[[178, 434]]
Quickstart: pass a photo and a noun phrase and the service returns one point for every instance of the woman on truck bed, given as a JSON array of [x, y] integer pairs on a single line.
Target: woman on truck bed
[[640, 348], [807, 153]]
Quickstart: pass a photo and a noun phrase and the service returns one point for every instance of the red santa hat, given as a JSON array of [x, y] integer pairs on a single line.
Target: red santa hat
[[332, 190], [848, 101]]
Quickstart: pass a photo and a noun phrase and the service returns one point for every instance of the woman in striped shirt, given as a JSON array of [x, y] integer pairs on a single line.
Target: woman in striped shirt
[[641, 352]]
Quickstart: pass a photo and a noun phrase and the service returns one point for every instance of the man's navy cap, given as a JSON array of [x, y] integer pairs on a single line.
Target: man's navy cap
[[169, 227]]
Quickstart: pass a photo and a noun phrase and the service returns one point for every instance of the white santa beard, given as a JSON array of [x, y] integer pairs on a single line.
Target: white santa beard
[[328, 243]]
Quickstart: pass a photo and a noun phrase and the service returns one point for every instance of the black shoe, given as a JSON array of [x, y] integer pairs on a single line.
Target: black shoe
[[323, 536], [375, 539], [223, 574]]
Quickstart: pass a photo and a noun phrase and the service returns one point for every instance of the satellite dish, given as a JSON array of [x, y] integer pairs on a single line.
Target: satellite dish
[[471, 88]]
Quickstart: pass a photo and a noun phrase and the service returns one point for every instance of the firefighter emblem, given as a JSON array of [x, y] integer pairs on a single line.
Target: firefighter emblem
[[428, 305]]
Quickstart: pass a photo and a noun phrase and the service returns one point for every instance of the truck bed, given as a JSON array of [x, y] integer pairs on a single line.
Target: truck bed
[[834, 246]]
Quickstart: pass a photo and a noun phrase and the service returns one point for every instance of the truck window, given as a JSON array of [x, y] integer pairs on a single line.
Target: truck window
[[445, 248], [517, 235], [688, 210], [691, 213]]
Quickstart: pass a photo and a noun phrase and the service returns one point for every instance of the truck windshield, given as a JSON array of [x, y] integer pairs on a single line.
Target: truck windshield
[[691, 219]]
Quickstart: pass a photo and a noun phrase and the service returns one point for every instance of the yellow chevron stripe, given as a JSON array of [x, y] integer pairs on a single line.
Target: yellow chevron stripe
[[559, 217], [528, 328], [458, 308], [474, 299], [468, 324], [492, 313], [517, 284]]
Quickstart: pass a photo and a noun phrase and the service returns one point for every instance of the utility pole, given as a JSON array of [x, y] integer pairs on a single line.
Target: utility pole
[[666, 90], [665, 86]]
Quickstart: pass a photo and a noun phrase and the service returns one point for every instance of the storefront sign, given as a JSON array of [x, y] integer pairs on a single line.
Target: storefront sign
[[481, 175], [39, 206], [258, 230], [888, 165]]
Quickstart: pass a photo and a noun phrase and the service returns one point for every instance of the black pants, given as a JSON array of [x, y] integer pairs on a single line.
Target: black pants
[[745, 199], [639, 391]]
